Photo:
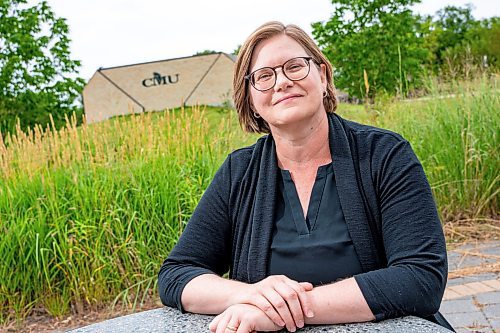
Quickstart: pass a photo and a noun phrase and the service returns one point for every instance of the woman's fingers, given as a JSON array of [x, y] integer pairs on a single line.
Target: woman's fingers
[[283, 300], [291, 294], [281, 306], [307, 285], [223, 322], [233, 326], [264, 305], [243, 318], [301, 288], [244, 328], [213, 324], [305, 302]]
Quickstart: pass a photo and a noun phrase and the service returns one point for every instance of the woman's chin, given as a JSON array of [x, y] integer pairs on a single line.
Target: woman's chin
[[292, 117]]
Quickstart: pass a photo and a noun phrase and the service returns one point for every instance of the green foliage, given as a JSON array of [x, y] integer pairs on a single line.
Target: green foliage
[[37, 76], [205, 52], [446, 33], [378, 37], [460, 46], [237, 50], [457, 140], [90, 212], [484, 40], [453, 23], [398, 49]]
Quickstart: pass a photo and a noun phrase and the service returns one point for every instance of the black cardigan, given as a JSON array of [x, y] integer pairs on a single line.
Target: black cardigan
[[388, 207]]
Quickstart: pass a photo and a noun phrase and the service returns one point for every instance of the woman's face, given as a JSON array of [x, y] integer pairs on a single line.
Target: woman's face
[[288, 102]]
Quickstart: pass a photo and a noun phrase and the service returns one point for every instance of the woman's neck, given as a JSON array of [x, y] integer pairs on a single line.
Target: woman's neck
[[305, 145]]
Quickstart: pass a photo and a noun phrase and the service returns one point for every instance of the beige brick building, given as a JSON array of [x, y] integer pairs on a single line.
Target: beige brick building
[[158, 85]]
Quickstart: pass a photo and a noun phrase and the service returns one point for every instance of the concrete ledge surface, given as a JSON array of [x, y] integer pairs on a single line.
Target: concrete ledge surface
[[172, 320]]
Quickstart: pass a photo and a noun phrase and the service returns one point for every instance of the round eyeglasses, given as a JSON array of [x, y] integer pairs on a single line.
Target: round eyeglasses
[[295, 69]]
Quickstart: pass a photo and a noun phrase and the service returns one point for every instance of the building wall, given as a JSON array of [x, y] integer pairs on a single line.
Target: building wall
[[101, 100], [159, 85], [213, 89]]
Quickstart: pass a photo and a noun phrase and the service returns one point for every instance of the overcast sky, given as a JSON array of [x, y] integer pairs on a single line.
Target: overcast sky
[[108, 33]]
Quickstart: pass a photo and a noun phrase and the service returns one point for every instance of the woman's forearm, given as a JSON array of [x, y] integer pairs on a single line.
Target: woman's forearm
[[340, 302], [212, 294]]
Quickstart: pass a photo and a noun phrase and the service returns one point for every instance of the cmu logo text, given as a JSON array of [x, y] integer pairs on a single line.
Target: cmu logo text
[[159, 79]]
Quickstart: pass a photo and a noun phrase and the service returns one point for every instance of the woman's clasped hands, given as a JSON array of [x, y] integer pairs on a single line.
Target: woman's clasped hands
[[268, 305]]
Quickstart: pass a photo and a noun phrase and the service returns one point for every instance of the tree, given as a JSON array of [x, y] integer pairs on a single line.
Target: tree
[[459, 44], [484, 39], [451, 27], [454, 22], [373, 36], [205, 52], [236, 51], [37, 75]]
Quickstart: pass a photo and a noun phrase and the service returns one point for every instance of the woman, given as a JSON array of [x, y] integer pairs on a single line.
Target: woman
[[322, 221]]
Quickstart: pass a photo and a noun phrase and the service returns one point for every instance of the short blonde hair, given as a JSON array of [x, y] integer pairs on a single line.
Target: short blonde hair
[[241, 93]]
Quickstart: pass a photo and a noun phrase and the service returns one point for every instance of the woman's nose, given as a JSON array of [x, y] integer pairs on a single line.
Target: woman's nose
[[282, 81]]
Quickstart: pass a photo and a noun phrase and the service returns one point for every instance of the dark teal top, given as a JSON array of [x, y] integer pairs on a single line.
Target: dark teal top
[[317, 249]]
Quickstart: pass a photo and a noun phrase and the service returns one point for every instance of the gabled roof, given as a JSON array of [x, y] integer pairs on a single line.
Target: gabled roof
[[230, 56]]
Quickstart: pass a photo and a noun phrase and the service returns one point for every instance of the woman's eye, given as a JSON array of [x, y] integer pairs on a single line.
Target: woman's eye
[[294, 68], [264, 77]]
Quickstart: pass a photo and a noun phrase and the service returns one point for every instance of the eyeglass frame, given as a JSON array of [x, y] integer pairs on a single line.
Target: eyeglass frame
[[308, 59]]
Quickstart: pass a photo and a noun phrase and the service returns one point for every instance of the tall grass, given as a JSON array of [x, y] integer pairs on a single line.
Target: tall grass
[[456, 138], [87, 214], [454, 132]]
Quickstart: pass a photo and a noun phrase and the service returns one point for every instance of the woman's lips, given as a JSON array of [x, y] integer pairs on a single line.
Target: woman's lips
[[284, 98]]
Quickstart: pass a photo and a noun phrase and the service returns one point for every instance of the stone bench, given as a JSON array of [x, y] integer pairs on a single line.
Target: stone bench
[[171, 320]]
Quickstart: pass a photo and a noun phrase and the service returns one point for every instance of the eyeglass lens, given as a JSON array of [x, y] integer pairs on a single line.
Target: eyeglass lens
[[294, 69]]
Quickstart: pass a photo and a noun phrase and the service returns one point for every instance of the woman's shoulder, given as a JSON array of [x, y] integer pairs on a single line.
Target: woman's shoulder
[[240, 159], [243, 152], [372, 138], [263, 145], [371, 131]]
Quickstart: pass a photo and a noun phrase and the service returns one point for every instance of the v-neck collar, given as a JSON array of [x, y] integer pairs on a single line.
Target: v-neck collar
[[305, 225]]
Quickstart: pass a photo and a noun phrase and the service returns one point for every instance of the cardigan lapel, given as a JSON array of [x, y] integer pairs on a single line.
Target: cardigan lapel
[[263, 212], [349, 194]]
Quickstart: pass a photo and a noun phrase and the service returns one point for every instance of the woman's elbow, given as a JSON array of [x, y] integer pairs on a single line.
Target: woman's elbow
[[162, 287], [430, 293], [428, 306], [166, 287]]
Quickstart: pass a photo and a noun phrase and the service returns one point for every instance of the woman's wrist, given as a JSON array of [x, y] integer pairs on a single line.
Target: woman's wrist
[[313, 296], [240, 294]]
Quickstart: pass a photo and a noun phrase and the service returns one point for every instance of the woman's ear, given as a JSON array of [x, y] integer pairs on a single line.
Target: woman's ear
[[322, 73], [250, 103]]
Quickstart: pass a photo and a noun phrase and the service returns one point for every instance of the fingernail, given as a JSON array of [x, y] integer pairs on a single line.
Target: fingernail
[[310, 314], [300, 324]]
